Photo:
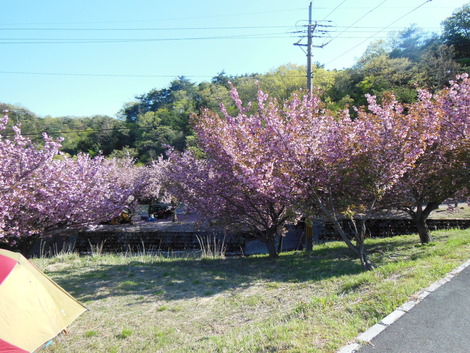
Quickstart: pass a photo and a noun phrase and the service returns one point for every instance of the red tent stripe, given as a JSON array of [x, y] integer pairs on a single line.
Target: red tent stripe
[[6, 347], [6, 265]]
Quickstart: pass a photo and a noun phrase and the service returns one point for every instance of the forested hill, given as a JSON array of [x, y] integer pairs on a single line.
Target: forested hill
[[161, 117]]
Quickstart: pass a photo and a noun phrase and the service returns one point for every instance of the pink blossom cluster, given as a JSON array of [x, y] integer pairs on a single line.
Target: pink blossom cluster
[[41, 189], [153, 180], [443, 170], [455, 102], [240, 180], [270, 160]]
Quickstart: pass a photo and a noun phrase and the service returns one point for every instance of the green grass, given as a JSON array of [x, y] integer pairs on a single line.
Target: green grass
[[300, 302], [91, 333], [125, 334]]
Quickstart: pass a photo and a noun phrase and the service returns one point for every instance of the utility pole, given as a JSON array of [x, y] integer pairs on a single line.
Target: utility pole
[[310, 29]]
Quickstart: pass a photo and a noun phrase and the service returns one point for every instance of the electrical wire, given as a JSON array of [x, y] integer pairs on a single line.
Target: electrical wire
[[91, 41], [95, 75], [401, 17], [167, 19], [367, 13], [16, 40], [336, 8], [266, 35], [88, 131], [111, 75], [49, 133], [364, 29], [35, 29]]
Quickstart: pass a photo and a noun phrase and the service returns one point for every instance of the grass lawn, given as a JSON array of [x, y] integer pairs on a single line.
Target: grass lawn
[[300, 302], [462, 211]]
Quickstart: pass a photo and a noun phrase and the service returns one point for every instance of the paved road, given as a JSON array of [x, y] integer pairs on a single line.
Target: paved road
[[440, 323]]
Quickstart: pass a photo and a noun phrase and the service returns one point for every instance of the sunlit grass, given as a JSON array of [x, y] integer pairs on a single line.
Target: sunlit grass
[[462, 211], [300, 302]]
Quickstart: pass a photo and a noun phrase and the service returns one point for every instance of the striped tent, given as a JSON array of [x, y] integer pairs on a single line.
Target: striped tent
[[33, 308]]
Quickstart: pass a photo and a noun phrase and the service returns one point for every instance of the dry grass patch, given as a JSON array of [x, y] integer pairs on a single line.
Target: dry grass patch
[[462, 211]]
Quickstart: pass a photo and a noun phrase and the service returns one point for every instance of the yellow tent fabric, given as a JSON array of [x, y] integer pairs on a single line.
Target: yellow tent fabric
[[33, 308]]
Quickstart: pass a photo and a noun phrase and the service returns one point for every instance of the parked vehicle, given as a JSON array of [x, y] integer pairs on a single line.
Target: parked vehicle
[[161, 210]]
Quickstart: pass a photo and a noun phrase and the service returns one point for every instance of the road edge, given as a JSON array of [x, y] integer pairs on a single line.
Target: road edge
[[388, 320]]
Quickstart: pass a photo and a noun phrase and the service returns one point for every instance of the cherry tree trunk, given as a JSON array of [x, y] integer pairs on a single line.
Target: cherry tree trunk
[[365, 263], [423, 229], [420, 218], [271, 245]]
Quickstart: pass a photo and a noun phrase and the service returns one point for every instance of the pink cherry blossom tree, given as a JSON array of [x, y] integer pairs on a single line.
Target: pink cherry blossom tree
[[261, 166], [88, 190], [42, 190], [20, 162], [443, 170], [343, 166], [154, 182], [239, 181]]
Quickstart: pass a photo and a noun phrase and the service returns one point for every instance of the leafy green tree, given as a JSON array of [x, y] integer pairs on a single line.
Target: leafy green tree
[[210, 95], [222, 79], [456, 32], [30, 123], [287, 79], [125, 152], [161, 117], [373, 50], [344, 91], [156, 99], [410, 43], [376, 73], [438, 67], [153, 135], [283, 81], [247, 87], [351, 85], [383, 74]]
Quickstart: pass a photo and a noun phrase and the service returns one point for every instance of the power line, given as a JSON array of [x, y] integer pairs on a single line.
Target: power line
[[95, 75], [266, 35], [379, 27], [14, 41], [166, 19], [178, 28], [50, 133], [110, 75], [367, 13], [135, 29], [137, 40], [401, 17], [336, 8]]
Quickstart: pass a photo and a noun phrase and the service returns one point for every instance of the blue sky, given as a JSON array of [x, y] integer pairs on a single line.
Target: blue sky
[[88, 57]]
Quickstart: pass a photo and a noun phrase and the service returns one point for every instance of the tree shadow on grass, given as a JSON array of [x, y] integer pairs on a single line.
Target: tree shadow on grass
[[184, 279], [391, 250], [391, 244], [178, 279]]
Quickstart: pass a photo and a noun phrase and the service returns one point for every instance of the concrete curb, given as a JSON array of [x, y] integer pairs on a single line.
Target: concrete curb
[[373, 331]]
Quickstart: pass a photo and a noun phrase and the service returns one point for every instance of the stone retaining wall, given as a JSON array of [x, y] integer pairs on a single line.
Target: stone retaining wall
[[187, 237]]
